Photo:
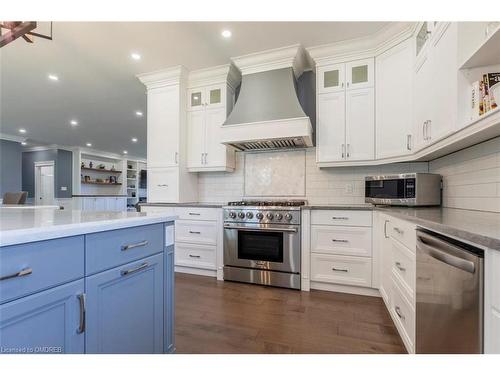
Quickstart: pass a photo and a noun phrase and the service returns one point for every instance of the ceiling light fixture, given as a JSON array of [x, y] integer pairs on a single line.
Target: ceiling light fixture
[[138, 113], [22, 131], [125, 152], [226, 34], [53, 77], [24, 143], [135, 56], [73, 123], [89, 144], [134, 140]]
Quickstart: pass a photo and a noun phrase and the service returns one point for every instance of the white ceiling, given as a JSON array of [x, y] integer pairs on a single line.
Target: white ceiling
[[97, 84]]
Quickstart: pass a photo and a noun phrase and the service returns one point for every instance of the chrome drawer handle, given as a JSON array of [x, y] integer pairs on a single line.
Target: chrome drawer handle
[[23, 272], [399, 231], [385, 228], [81, 327], [398, 312], [194, 214], [398, 265], [194, 256], [133, 270], [134, 245], [162, 185], [343, 241], [340, 218], [194, 232], [339, 269]]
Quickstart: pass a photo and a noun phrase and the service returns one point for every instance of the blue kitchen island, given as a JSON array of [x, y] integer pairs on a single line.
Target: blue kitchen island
[[86, 282]]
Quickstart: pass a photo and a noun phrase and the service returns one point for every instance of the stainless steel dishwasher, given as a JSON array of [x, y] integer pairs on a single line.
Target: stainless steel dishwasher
[[449, 295]]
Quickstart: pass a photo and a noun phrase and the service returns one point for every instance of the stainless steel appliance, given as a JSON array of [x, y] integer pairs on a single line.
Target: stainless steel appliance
[[408, 189], [262, 242], [449, 294]]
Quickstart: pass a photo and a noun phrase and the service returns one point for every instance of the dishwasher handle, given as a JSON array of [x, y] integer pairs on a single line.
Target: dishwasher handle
[[442, 251]]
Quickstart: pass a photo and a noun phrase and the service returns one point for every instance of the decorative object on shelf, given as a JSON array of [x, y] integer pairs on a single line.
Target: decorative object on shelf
[[87, 179], [484, 94], [101, 166], [83, 164], [129, 166], [113, 168], [112, 179], [99, 180], [91, 165]]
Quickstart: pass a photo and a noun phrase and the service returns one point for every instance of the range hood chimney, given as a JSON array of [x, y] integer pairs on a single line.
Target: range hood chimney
[[268, 114]]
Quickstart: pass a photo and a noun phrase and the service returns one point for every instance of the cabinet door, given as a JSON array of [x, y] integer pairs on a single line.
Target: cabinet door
[[125, 308], [360, 124], [359, 74], [88, 204], [215, 96], [163, 185], [196, 99], [169, 303], [163, 126], [196, 138], [385, 257], [101, 204], [215, 151], [45, 322], [330, 136], [331, 78], [422, 100], [394, 101]]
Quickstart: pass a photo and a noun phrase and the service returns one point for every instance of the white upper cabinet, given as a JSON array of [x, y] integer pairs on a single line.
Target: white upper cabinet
[[360, 125], [359, 74], [331, 78], [331, 127], [163, 185], [210, 100], [394, 101]]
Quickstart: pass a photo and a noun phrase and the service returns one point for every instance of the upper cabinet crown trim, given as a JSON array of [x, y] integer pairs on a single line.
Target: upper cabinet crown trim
[[367, 46], [227, 73], [163, 77], [291, 56]]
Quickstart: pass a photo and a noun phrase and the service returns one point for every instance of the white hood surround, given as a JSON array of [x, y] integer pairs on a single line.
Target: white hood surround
[[268, 114]]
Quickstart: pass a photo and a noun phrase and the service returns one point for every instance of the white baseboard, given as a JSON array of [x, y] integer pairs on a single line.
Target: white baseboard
[[345, 289]]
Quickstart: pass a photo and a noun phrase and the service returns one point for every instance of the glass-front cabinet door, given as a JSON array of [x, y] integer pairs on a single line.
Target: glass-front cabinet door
[[359, 74], [196, 99], [331, 78], [215, 96]]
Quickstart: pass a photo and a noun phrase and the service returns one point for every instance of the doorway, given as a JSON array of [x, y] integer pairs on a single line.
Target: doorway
[[44, 183]]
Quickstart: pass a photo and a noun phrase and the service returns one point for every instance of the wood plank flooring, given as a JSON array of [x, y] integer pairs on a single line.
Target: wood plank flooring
[[226, 317]]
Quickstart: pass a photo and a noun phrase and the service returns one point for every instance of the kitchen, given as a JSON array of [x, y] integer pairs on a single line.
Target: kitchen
[[308, 196]]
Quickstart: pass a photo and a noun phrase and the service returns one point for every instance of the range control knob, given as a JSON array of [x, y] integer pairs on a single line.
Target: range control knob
[[241, 215], [288, 217], [232, 214], [249, 215], [279, 216], [259, 215], [269, 216]]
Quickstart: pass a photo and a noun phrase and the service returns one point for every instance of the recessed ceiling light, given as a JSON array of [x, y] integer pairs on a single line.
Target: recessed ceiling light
[[53, 77], [73, 123], [125, 151], [135, 56], [89, 144], [138, 113], [134, 140], [226, 34], [22, 131], [24, 143]]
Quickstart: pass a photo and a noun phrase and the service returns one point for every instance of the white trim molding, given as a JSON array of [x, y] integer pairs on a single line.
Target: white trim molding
[[227, 73], [12, 138], [163, 77]]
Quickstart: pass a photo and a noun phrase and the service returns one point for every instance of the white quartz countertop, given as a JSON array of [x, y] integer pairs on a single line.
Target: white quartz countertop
[[22, 225]]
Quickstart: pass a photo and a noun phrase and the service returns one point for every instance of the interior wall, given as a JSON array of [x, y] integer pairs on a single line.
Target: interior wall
[[10, 167]]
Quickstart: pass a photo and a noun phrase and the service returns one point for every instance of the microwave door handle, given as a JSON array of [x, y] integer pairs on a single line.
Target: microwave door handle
[[268, 229]]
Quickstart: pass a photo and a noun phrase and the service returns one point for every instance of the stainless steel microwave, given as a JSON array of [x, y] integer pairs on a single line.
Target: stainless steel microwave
[[408, 189]]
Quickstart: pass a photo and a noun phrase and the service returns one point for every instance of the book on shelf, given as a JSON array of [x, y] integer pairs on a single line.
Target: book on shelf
[[484, 95]]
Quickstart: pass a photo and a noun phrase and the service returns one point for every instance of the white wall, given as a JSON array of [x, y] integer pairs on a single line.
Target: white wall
[[471, 177]]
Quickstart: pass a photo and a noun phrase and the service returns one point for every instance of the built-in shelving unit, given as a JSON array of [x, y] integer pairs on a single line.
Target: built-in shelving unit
[[134, 192]]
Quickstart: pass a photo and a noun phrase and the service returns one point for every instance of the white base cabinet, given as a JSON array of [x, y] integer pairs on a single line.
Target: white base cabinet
[[100, 203]]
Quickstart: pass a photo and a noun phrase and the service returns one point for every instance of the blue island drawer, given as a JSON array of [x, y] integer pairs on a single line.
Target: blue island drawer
[[113, 248], [32, 267]]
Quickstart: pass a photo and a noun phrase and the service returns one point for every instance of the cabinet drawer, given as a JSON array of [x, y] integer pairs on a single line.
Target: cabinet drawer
[[403, 266], [342, 217], [403, 231], [403, 315], [116, 247], [43, 265], [199, 256], [341, 240], [196, 213], [202, 232], [341, 269]]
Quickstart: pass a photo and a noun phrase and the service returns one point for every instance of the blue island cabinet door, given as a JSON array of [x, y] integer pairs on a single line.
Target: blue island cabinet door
[[125, 308], [52, 321], [169, 309]]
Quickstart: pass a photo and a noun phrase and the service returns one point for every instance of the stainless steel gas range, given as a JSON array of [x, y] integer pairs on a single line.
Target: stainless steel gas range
[[262, 242]]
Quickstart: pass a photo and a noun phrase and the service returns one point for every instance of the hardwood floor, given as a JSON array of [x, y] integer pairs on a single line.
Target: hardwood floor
[[226, 317]]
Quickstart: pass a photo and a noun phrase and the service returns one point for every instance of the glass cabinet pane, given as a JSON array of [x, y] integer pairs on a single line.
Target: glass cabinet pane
[[331, 78], [215, 96], [359, 74], [421, 37], [196, 99]]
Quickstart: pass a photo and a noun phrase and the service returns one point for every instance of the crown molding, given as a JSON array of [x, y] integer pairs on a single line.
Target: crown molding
[[163, 77], [12, 138], [227, 73], [285, 57], [366, 46]]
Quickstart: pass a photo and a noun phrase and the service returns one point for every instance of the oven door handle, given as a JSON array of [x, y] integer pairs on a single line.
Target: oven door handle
[[268, 229]]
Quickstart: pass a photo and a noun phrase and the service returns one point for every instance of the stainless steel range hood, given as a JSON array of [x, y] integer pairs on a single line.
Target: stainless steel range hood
[[268, 114]]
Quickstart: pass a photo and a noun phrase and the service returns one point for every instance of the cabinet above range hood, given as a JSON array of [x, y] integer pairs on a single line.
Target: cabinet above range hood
[[268, 114]]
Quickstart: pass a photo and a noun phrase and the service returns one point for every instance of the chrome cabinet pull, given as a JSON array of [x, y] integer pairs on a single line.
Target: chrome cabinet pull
[[348, 150], [385, 229], [133, 270], [343, 151], [206, 154], [162, 185], [201, 158], [398, 312], [424, 126], [343, 241], [340, 218], [23, 272], [399, 266], [194, 214], [339, 269], [194, 232], [398, 231], [408, 142], [176, 157], [194, 256], [134, 245], [81, 326]]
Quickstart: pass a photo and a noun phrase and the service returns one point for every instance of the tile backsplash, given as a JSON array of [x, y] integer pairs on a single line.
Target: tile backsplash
[[471, 177]]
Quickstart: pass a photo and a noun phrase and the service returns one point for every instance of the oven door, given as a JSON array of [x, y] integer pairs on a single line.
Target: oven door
[[262, 246]]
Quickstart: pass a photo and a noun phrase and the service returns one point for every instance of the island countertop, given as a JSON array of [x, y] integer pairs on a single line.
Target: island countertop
[[29, 224]]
